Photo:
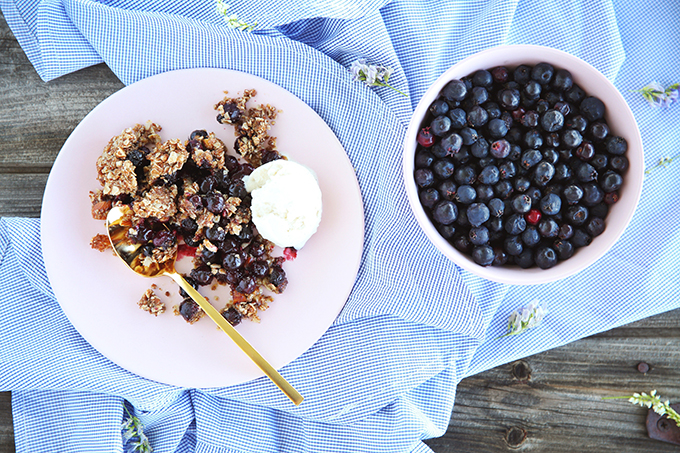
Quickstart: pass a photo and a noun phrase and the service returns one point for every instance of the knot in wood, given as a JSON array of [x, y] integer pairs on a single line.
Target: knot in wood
[[515, 436], [521, 370], [643, 367]]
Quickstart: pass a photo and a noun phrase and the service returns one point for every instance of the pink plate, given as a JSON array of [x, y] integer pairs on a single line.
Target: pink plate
[[99, 294]]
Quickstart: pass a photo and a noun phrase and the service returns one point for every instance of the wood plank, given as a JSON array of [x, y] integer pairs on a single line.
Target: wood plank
[[561, 407], [37, 117], [21, 194], [6, 428]]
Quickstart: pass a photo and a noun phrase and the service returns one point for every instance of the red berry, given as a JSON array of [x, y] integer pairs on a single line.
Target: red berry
[[290, 253], [425, 137], [611, 197], [533, 216]]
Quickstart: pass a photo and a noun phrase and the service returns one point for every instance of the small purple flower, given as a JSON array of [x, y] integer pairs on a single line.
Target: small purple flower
[[658, 96]]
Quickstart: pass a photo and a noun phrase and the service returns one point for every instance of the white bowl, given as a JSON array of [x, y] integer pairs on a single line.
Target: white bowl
[[620, 120]]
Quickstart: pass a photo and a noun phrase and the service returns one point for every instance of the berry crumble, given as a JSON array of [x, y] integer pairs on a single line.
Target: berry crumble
[[188, 198]]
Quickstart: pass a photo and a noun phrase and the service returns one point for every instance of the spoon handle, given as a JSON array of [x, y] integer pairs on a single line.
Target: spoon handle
[[241, 342]]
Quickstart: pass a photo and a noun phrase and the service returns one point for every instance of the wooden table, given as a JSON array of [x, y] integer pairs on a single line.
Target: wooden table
[[549, 402]]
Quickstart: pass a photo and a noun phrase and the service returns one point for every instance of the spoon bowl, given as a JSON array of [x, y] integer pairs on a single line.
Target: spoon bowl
[[117, 226]]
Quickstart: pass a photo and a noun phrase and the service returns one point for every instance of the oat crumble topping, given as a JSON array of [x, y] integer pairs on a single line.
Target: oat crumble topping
[[151, 303]]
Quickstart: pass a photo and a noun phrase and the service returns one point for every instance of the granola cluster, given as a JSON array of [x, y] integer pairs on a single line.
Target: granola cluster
[[189, 197]]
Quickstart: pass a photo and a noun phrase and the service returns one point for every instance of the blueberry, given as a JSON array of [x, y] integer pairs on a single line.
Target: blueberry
[[440, 125], [439, 107], [451, 143], [533, 139], [497, 128], [571, 138], [489, 175], [455, 90], [215, 233], [562, 172], [496, 207], [563, 107], [548, 228], [513, 245], [530, 158], [465, 175], [566, 231], [522, 74], [136, 157], [581, 238], [573, 194], [542, 106], [564, 249], [479, 95], [424, 158], [616, 145], [482, 78], [586, 172], [484, 193], [445, 212], [500, 257], [551, 204], [515, 224], [563, 80], [469, 135], [592, 108], [545, 257], [574, 94], [424, 177], [443, 168], [611, 181], [514, 135], [619, 163], [576, 215], [530, 119], [500, 149], [214, 202], [598, 131], [503, 189], [437, 150], [552, 140], [495, 224], [507, 170], [477, 116], [462, 244], [532, 90], [447, 231], [522, 184], [479, 235], [543, 173], [477, 214], [521, 203], [458, 118], [493, 110], [525, 259], [500, 74], [592, 194], [599, 161], [483, 255], [550, 155], [535, 194], [447, 189], [466, 194], [595, 226], [429, 197], [480, 148], [509, 99], [530, 236], [552, 120]]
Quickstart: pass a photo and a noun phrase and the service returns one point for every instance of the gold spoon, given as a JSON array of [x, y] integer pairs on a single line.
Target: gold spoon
[[131, 254]]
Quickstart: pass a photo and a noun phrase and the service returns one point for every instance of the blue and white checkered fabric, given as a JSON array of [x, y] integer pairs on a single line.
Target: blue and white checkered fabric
[[383, 377]]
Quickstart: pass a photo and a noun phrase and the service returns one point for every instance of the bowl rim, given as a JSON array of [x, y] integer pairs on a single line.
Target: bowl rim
[[626, 125]]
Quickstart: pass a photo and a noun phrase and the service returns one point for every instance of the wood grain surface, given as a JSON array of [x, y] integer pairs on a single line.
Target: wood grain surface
[[549, 402]]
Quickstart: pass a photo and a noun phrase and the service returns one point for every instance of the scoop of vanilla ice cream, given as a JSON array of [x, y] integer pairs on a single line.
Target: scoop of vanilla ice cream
[[286, 202]]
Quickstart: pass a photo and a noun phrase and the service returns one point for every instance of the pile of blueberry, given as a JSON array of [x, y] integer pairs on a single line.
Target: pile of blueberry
[[518, 165]]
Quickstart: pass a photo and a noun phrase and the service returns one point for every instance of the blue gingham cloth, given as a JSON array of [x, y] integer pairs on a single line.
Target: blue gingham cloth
[[383, 377]]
